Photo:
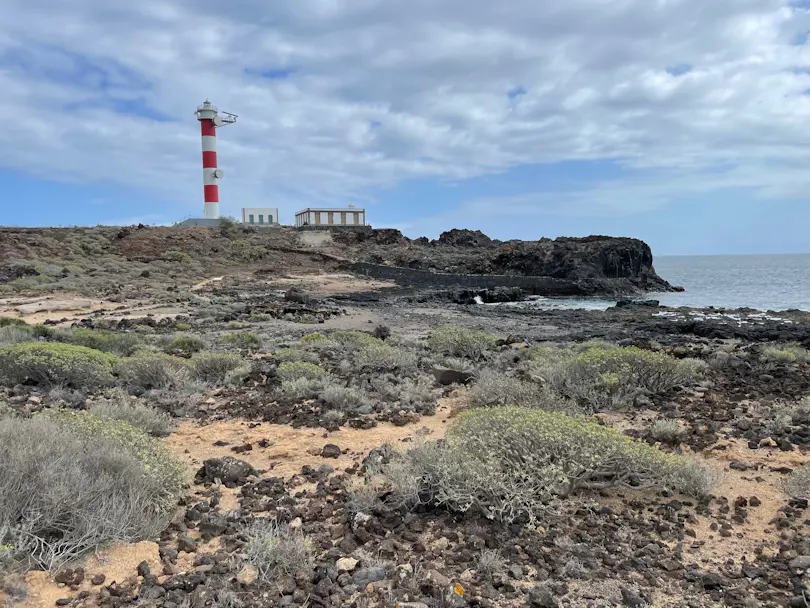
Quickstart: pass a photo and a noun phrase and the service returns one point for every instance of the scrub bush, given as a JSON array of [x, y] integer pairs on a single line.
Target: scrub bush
[[461, 342], [55, 364], [69, 485]]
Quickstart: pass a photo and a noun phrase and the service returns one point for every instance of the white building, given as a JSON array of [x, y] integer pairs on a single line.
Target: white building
[[260, 216], [325, 216]]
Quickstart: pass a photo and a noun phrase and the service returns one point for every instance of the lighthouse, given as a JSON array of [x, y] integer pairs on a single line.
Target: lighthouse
[[211, 119]]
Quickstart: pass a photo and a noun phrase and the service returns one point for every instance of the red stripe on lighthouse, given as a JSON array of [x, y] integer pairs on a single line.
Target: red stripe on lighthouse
[[208, 128], [209, 160], [211, 194]]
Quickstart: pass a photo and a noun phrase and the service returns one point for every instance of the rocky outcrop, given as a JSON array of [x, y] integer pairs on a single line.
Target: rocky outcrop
[[593, 260]]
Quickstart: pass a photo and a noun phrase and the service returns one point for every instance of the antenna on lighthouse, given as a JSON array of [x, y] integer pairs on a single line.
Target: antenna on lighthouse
[[210, 119]]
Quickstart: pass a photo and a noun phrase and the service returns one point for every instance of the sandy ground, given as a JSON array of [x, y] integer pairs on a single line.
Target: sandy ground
[[117, 563], [290, 449]]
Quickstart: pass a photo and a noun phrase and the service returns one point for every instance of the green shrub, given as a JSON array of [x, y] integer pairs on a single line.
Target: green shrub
[[118, 343], [381, 357], [293, 370], [353, 339], [153, 370], [11, 321], [54, 364], [302, 388], [790, 353], [603, 378], [493, 388], [143, 417], [14, 334], [182, 326], [510, 463], [243, 340], [666, 431], [214, 367], [72, 483], [313, 337], [461, 342], [343, 397], [184, 345], [295, 354], [179, 257], [276, 550]]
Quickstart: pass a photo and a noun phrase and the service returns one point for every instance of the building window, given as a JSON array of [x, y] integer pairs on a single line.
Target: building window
[[250, 217], [261, 219]]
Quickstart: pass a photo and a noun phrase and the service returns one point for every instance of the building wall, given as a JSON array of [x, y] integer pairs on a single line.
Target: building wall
[[331, 217], [266, 214]]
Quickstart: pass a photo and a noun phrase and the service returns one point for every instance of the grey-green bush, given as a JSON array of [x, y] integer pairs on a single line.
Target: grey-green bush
[[154, 370], [55, 364], [512, 462], [603, 378], [64, 493], [127, 409], [461, 342], [275, 549], [214, 367]]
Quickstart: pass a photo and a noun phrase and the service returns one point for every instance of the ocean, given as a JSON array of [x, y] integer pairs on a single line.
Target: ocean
[[764, 282]]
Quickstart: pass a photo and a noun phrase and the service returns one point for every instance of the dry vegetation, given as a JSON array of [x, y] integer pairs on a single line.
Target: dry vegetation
[[569, 473]]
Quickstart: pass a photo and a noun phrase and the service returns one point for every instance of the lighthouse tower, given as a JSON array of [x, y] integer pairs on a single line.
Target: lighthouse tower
[[210, 120]]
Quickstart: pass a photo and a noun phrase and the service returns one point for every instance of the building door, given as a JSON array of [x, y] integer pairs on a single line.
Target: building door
[[269, 219], [250, 217], [261, 219]]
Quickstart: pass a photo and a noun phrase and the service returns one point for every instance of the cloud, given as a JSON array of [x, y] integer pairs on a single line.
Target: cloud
[[338, 99]]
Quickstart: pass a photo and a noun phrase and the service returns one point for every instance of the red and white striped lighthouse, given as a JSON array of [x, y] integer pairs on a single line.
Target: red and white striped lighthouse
[[210, 120]]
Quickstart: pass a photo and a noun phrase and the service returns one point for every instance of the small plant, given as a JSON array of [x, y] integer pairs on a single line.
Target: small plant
[[182, 326], [295, 354], [178, 257], [243, 340], [382, 357], [154, 370], [342, 398], [797, 484], [352, 339], [184, 345], [118, 343], [312, 338], [55, 364], [214, 367], [302, 388], [494, 388], [461, 342], [490, 562], [14, 334], [789, 353], [666, 431], [125, 409], [293, 370], [275, 550], [13, 321]]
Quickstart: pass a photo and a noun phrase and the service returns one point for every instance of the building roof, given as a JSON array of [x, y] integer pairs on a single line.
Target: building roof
[[330, 209]]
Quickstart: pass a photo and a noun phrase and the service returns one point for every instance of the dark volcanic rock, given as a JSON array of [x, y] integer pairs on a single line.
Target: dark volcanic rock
[[463, 238], [446, 376], [227, 470]]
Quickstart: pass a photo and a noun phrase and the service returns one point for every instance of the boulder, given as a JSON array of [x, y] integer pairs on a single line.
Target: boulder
[[446, 376], [227, 470]]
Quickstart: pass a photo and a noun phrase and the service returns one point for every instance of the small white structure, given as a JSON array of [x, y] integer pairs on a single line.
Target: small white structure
[[260, 216], [349, 216]]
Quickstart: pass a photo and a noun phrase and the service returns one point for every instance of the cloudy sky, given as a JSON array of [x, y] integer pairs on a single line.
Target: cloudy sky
[[683, 122]]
